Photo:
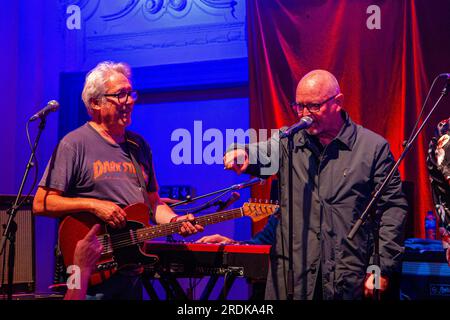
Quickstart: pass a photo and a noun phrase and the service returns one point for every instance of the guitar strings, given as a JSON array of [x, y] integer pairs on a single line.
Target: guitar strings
[[132, 237], [174, 227], [126, 238]]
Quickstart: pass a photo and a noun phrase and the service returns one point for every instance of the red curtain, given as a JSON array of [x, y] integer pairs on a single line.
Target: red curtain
[[384, 73]]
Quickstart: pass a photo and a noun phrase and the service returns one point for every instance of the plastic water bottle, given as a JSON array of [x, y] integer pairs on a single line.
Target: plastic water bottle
[[430, 226]]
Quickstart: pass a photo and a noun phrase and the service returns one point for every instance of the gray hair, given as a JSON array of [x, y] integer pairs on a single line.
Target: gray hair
[[94, 85]]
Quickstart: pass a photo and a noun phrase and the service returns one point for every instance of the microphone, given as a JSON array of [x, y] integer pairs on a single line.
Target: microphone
[[247, 183], [304, 123], [225, 204], [50, 107], [445, 75]]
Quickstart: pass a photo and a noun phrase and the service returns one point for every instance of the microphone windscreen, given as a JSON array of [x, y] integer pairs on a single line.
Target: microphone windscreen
[[53, 104]]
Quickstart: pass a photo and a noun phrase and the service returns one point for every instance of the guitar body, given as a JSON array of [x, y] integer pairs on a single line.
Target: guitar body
[[115, 256]]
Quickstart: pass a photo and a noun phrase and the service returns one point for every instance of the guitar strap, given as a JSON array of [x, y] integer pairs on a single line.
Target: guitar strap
[[133, 145]]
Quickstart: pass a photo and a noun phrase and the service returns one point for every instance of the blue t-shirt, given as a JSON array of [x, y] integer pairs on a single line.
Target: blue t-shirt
[[85, 165]]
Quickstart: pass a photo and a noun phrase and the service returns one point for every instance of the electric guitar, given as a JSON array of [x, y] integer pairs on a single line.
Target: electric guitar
[[124, 247]]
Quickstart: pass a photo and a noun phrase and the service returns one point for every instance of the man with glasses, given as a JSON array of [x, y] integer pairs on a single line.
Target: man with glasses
[[337, 166], [93, 170]]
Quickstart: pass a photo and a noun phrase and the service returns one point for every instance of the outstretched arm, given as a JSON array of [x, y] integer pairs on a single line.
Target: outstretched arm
[[52, 203]]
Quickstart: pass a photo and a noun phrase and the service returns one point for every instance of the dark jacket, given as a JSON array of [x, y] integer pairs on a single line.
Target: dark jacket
[[332, 187]]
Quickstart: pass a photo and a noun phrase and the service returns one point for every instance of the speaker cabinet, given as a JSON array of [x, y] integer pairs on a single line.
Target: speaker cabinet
[[425, 272], [24, 268]]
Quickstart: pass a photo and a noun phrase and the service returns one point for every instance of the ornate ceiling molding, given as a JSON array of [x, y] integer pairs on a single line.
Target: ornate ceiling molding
[[129, 28], [167, 38]]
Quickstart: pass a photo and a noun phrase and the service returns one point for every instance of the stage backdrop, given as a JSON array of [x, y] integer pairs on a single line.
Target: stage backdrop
[[384, 54]]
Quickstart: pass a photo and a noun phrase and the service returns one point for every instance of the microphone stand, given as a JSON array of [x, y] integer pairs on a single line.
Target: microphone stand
[[290, 276], [233, 187], [208, 205], [221, 205], [380, 191], [289, 133], [9, 233], [204, 207]]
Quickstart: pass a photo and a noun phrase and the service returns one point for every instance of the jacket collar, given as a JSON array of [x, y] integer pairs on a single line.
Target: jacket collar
[[346, 136]]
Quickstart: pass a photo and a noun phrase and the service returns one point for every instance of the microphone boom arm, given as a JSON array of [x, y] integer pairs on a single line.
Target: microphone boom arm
[[233, 187]]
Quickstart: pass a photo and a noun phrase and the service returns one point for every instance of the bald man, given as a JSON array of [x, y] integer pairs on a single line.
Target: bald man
[[337, 165]]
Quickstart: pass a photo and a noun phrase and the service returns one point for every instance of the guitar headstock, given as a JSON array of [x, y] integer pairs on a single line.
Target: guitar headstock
[[258, 210]]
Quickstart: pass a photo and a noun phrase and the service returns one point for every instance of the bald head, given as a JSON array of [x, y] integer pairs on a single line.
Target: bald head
[[319, 97], [317, 85]]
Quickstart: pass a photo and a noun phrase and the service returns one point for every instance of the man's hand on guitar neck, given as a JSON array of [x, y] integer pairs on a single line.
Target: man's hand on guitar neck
[[188, 225], [109, 212]]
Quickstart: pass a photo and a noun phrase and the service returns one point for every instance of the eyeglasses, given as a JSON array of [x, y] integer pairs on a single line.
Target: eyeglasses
[[312, 107], [122, 96]]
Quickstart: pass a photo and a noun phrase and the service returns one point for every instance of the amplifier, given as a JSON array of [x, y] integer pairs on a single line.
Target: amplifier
[[24, 268], [425, 271]]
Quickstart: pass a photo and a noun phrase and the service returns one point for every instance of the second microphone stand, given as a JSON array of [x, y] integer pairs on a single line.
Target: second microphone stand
[[9, 233], [381, 190], [232, 188]]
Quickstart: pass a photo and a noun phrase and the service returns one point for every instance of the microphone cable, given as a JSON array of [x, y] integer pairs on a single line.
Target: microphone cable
[[35, 166]]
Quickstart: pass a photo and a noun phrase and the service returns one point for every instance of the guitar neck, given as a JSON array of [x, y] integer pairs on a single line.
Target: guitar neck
[[167, 229]]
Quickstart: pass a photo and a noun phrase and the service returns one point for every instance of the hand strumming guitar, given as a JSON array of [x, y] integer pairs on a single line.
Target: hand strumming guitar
[[109, 212]]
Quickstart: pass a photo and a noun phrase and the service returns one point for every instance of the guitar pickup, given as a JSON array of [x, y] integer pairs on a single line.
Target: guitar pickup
[[106, 266]]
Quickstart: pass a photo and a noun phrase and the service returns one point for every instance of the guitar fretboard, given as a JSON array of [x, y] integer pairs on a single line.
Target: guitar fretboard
[[167, 229]]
